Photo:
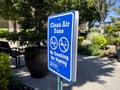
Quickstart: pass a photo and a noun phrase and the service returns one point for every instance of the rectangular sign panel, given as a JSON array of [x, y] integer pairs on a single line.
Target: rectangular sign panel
[[62, 44]]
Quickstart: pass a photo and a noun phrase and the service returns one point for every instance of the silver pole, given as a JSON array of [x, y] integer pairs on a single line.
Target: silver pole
[[60, 84]]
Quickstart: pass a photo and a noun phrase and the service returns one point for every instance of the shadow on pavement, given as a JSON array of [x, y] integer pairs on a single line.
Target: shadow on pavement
[[90, 69]]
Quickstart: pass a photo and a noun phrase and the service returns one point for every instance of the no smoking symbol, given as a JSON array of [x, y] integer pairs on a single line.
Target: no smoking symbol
[[63, 44], [53, 42]]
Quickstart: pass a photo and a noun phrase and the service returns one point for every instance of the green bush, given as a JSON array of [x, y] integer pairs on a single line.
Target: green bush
[[80, 39], [92, 36], [112, 29], [4, 32], [14, 82], [28, 37], [112, 32], [12, 37], [82, 49], [93, 49], [101, 41], [8, 80], [111, 40], [96, 38], [4, 71], [118, 39]]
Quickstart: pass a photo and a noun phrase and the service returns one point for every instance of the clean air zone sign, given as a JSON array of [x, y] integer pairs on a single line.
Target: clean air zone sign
[[62, 44]]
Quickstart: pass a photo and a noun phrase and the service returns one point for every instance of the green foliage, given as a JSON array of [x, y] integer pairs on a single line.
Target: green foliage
[[92, 36], [93, 49], [33, 13], [88, 48], [27, 37], [14, 82], [111, 40], [101, 41], [8, 9], [30, 38], [112, 32], [96, 38], [118, 40], [83, 50], [97, 30], [4, 32], [13, 36], [117, 9], [81, 6], [80, 39], [4, 71], [102, 6], [8, 80]]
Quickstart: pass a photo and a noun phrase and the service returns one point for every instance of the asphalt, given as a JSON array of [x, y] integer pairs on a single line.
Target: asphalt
[[93, 73]]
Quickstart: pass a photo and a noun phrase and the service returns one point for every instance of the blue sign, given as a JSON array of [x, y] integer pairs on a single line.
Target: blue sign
[[60, 44]]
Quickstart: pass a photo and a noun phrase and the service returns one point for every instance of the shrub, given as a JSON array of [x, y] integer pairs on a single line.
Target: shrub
[[4, 71], [96, 38], [8, 80], [82, 49], [14, 82], [92, 36], [112, 32], [28, 37], [3, 32], [80, 39], [13, 37], [93, 49], [101, 41], [111, 40], [112, 29], [118, 40]]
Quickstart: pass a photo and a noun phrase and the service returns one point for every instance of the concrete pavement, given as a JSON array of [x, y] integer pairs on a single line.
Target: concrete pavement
[[93, 73]]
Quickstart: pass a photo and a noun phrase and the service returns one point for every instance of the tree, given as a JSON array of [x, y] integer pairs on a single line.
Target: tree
[[34, 15], [88, 13], [117, 10], [102, 6], [8, 11]]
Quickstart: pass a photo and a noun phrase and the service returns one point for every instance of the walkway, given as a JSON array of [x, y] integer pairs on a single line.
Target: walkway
[[93, 73]]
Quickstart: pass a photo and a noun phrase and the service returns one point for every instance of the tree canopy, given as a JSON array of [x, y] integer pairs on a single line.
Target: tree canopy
[[8, 11], [33, 13]]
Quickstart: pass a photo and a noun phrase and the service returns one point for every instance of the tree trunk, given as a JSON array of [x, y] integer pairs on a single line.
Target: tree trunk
[[102, 24], [15, 26]]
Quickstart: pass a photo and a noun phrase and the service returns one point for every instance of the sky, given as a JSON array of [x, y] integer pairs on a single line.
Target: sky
[[113, 13]]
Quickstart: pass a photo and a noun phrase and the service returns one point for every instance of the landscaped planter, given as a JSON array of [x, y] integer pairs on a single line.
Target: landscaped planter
[[37, 62]]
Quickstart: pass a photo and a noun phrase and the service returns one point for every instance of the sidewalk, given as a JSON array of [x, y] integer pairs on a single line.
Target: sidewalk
[[93, 73]]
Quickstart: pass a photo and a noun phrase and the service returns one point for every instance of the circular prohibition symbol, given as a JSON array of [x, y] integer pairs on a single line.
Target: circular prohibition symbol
[[53, 42], [63, 44]]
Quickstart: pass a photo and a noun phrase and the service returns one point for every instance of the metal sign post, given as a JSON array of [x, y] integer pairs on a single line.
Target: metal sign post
[[60, 84], [62, 45]]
